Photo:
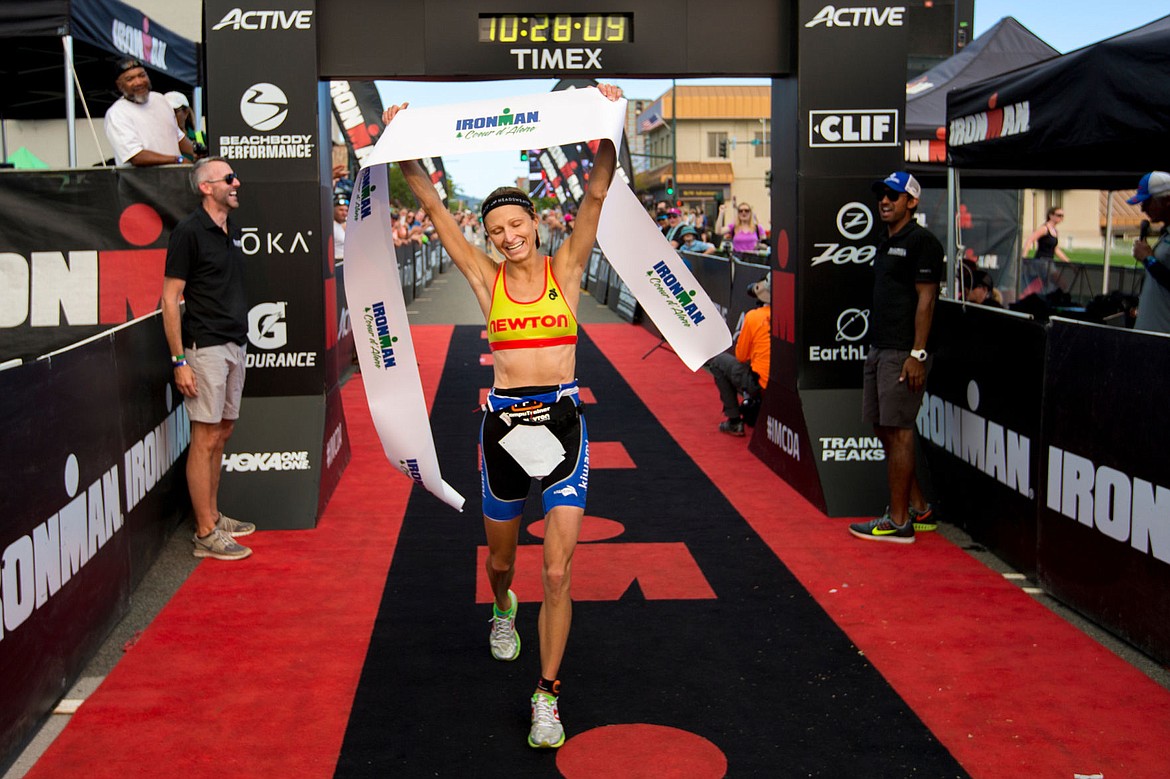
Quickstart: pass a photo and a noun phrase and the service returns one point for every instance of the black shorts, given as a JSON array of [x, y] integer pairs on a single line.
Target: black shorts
[[505, 482]]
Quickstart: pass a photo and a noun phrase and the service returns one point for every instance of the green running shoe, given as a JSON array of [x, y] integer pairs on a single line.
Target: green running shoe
[[504, 640], [546, 732]]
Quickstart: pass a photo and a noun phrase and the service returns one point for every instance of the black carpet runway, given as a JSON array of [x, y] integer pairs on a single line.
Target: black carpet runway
[[759, 670]]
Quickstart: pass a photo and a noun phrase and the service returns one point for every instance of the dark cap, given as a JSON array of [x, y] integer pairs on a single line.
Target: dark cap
[[125, 64]]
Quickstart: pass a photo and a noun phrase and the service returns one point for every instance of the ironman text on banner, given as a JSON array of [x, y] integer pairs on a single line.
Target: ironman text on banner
[[650, 267]]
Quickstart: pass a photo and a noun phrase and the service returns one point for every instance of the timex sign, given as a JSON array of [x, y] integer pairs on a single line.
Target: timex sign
[[861, 127]]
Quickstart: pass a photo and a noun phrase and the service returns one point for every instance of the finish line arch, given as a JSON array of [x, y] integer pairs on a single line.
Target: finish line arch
[[838, 107]]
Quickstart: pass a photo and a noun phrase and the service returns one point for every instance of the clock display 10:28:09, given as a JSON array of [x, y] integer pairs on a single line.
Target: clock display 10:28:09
[[556, 28]]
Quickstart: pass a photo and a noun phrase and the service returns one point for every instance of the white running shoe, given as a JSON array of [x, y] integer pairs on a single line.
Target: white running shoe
[[504, 639], [546, 732]]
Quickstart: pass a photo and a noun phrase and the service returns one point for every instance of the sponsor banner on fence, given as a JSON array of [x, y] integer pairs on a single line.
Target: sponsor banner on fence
[[93, 443], [1104, 519], [67, 273], [979, 425]]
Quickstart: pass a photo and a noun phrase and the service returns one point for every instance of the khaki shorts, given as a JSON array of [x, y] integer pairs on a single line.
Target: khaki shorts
[[886, 401], [219, 380]]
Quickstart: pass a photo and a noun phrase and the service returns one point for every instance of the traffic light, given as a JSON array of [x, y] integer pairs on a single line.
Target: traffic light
[[670, 187], [723, 148], [524, 155], [768, 178]]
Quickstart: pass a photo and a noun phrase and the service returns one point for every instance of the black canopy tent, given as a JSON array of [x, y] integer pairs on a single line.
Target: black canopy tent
[[46, 41], [990, 235], [1094, 118], [1005, 46]]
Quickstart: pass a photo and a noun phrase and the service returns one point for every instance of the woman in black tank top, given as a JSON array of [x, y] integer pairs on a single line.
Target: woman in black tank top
[[1046, 237]]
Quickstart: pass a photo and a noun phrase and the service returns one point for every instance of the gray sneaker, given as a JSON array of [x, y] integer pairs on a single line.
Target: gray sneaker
[[546, 731], [234, 527], [504, 640], [219, 545]]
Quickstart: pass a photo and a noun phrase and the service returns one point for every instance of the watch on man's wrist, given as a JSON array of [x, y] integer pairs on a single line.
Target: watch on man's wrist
[[918, 354]]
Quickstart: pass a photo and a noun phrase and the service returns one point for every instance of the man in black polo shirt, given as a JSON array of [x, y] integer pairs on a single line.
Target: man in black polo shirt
[[205, 266], [907, 270]]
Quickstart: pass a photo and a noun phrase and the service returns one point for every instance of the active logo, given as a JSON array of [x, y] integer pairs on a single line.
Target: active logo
[[239, 19], [855, 128], [504, 123], [1014, 119], [264, 106], [865, 16]]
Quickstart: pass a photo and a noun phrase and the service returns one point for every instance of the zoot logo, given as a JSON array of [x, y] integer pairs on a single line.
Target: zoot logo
[[853, 128], [854, 221]]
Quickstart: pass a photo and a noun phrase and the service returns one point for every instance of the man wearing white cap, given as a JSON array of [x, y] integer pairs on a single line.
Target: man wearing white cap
[[1154, 304], [906, 271]]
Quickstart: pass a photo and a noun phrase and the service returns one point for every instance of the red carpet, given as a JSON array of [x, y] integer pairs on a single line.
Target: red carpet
[[251, 668], [1009, 688]]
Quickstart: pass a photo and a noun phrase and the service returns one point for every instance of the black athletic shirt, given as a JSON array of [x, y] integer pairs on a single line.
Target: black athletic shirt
[[212, 264], [910, 256], [1046, 245]]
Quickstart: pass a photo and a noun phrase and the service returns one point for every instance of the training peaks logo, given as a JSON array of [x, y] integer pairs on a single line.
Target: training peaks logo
[[506, 122]]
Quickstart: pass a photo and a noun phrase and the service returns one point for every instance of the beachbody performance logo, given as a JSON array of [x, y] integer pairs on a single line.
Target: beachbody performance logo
[[504, 123], [264, 107], [378, 330], [988, 446], [993, 123], [681, 301]]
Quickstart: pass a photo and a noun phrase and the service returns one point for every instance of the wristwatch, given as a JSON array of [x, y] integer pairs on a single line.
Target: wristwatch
[[918, 354]]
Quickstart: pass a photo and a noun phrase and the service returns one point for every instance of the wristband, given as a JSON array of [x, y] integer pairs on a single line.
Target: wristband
[[176, 358], [179, 363]]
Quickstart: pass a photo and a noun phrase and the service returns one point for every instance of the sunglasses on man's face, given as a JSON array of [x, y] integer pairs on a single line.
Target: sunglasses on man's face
[[889, 194], [229, 179]]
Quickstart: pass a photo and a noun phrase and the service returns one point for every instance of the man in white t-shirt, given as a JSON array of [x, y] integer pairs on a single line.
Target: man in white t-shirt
[[340, 214], [141, 125]]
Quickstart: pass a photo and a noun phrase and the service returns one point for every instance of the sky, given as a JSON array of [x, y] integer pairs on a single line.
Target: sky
[[1064, 24]]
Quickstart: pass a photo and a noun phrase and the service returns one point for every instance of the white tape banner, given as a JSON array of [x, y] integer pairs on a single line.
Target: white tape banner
[[664, 287]]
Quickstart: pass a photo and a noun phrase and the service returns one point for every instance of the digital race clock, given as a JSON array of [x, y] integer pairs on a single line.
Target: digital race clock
[[556, 28]]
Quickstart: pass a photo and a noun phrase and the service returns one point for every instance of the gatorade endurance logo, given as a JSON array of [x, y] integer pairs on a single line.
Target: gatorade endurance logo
[[505, 123]]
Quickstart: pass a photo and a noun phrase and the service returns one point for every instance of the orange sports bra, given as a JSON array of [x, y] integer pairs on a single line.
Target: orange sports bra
[[546, 321]]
